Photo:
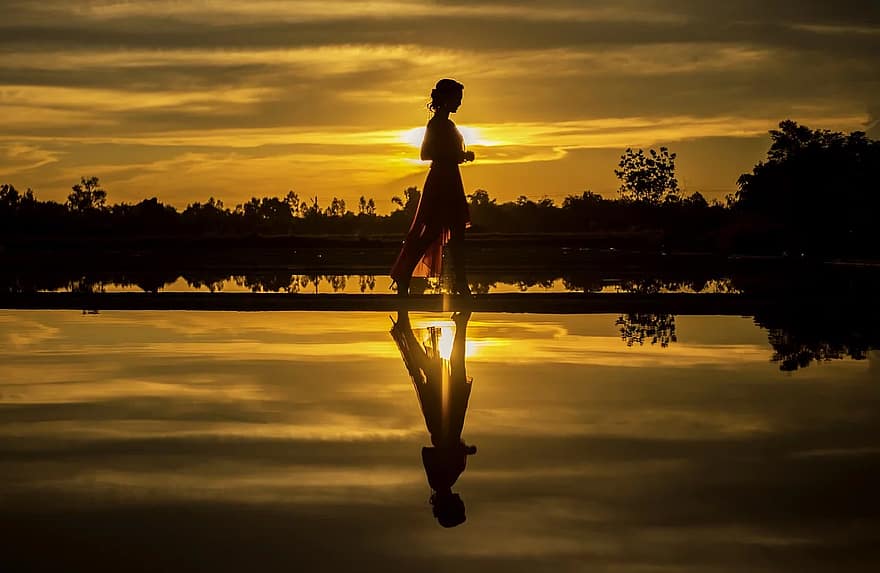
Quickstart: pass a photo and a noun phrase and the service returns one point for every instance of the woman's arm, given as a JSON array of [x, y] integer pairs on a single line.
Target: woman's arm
[[443, 143], [427, 151]]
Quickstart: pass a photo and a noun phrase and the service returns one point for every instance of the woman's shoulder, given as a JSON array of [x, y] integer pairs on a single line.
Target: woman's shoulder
[[440, 122]]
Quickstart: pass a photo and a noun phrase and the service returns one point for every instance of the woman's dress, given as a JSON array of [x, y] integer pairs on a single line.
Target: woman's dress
[[442, 385], [442, 205], [443, 388]]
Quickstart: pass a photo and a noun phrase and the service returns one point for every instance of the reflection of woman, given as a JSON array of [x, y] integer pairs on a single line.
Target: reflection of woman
[[442, 214], [443, 389]]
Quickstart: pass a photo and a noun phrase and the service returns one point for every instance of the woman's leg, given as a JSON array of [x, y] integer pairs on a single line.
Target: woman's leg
[[413, 249], [456, 251]]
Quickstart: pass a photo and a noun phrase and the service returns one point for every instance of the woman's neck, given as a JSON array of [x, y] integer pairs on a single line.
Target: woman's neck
[[442, 113]]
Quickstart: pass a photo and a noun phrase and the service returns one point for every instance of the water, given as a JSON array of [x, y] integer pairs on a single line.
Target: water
[[151, 441]]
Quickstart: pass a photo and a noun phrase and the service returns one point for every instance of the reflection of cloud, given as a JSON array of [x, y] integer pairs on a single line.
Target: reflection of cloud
[[214, 389], [20, 332], [124, 419]]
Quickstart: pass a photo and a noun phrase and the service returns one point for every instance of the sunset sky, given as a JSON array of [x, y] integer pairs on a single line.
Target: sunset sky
[[184, 100]]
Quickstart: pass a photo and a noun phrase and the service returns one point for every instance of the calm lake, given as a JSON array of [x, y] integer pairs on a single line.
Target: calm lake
[[284, 441]]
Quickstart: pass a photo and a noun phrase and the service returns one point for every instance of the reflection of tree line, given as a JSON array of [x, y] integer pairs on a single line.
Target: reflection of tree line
[[798, 339], [285, 281], [639, 328]]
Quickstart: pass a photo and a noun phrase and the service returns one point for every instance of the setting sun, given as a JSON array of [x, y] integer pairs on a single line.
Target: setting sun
[[472, 136]]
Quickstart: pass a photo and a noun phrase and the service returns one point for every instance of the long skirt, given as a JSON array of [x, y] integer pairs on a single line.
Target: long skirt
[[441, 385], [442, 208]]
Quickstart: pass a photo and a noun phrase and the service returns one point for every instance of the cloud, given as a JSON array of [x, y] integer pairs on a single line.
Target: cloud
[[872, 126], [15, 158]]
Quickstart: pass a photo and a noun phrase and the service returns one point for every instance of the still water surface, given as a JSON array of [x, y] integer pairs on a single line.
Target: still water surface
[[165, 441]]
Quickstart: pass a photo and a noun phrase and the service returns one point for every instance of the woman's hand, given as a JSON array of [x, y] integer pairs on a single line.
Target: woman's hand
[[468, 155]]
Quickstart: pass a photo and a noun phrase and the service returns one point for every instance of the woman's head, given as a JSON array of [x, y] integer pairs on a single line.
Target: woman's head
[[448, 509], [446, 96]]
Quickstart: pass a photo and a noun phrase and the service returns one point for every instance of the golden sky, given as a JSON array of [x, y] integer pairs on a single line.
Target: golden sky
[[183, 100]]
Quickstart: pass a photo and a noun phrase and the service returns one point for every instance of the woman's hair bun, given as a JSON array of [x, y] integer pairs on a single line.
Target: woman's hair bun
[[444, 88], [447, 85]]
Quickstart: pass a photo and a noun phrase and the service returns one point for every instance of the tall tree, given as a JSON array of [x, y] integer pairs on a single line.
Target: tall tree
[[87, 195], [818, 186], [647, 178]]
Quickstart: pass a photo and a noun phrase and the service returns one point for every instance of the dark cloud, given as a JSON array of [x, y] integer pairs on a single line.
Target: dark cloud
[[755, 23]]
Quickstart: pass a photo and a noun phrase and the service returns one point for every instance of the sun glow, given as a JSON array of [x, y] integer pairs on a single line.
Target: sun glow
[[445, 342], [447, 338], [472, 136]]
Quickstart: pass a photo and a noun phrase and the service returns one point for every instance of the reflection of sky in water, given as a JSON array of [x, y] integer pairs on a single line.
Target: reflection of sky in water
[[290, 439]]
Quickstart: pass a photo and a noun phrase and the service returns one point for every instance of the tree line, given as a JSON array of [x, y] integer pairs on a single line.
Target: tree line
[[815, 193]]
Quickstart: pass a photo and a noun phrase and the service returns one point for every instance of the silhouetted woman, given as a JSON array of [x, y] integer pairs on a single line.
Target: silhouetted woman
[[442, 214], [443, 389]]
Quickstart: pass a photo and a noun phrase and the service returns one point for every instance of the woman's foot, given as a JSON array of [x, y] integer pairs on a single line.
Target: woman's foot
[[403, 288], [461, 317]]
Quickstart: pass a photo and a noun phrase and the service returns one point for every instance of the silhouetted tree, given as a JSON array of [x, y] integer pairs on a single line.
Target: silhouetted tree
[[311, 211], [480, 198], [695, 200], [816, 191], [292, 199], [366, 207], [209, 217], [11, 200], [149, 217], [579, 201], [546, 202], [410, 200], [268, 214], [647, 178], [336, 208], [87, 195]]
